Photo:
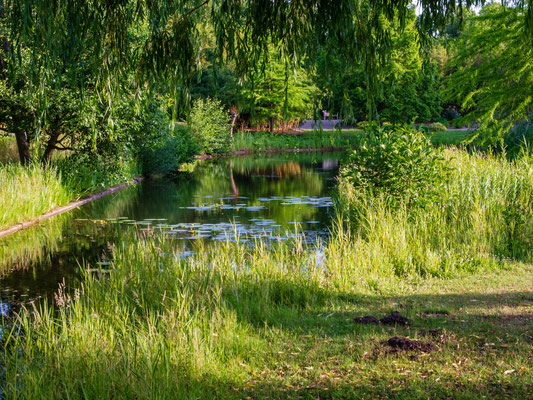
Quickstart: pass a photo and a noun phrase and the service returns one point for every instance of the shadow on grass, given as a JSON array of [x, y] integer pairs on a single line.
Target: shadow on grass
[[469, 326]]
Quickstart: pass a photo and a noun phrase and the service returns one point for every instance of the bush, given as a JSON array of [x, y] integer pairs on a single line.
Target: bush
[[362, 124], [209, 125], [400, 164], [423, 128], [451, 113], [437, 127], [176, 148], [90, 172]]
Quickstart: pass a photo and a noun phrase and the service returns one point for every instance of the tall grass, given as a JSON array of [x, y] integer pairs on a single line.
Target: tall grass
[[157, 325], [8, 149], [28, 192], [485, 214]]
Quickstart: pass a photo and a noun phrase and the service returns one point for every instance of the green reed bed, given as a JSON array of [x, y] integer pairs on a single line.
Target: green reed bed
[[30, 191], [238, 321]]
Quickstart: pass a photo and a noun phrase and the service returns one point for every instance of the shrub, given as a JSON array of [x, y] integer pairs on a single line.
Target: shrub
[[209, 125], [400, 164], [451, 113], [176, 148], [437, 127], [362, 124], [423, 128]]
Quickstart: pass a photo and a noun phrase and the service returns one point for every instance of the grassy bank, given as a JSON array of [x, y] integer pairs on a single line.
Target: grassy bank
[[265, 141], [31, 191], [235, 321], [28, 192], [483, 215]]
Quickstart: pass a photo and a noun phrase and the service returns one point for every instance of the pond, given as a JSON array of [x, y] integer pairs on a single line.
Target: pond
[[275, 197]]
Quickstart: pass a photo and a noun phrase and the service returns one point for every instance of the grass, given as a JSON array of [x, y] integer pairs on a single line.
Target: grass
[[255, 322], [265, 141], [448, 138], [8, 149], [28, 192], [484, 215]]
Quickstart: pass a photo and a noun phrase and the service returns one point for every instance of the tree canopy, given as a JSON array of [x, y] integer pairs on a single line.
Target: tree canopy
[[158, 38], [59, 57]]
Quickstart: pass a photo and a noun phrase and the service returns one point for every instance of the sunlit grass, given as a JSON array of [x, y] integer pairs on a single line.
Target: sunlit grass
[[28, 192], [8, 149]]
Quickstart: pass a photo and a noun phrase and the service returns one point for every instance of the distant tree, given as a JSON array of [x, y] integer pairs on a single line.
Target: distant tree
[[278, 92], [409, 85]]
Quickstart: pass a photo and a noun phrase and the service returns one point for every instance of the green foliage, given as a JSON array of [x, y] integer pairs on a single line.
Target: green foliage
[[437, 127], [176, 148], [209, 125], [408, 87], [278, 93], [491, 72], [483, 214], [519, 138], [399, 164]]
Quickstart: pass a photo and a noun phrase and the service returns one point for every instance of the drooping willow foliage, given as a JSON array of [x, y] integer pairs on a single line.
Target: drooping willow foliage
[[154, 42]]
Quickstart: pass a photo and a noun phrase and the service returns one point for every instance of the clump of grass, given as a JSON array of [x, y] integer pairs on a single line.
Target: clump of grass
[[29, 191]]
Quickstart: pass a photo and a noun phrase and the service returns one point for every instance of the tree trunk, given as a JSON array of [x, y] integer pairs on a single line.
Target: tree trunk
[[50, 147], [23, 147], [234, 116], [271, 125]]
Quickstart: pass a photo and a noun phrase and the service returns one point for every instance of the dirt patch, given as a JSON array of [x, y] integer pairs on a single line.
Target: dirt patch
[[398, 344], [395, 318], [368, 319]]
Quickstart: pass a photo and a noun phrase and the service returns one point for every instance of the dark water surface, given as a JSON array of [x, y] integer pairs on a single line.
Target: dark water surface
[[273, 197]]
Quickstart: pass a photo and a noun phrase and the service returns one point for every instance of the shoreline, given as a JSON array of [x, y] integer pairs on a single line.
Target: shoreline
[[70, 206], [270, 151]]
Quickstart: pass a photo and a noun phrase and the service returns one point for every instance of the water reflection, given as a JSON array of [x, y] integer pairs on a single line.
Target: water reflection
[[269, 198]]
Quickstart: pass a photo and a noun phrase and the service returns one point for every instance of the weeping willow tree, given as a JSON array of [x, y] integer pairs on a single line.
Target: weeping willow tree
[[117, 46]]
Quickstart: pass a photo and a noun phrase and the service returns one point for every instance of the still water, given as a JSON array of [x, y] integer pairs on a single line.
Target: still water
[[275, 197]]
